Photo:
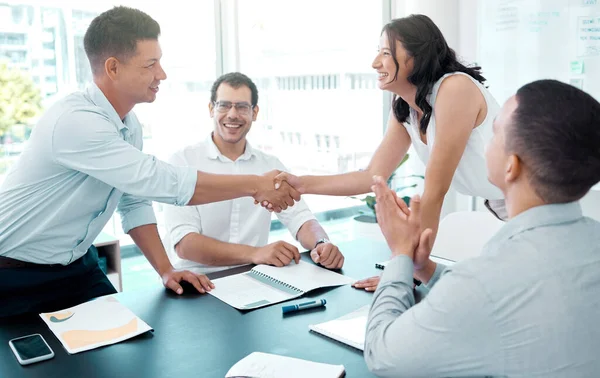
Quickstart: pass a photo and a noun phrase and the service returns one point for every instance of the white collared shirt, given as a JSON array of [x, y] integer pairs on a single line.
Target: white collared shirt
[[237, 221]]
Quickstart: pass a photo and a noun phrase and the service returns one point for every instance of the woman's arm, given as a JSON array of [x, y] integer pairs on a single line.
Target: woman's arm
[[386, 158], [458, 106]]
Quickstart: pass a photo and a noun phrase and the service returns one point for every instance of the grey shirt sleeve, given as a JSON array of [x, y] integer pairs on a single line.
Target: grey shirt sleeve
[[450, 333], [440, 269]]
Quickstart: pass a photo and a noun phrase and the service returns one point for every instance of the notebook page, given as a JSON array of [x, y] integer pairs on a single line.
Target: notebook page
[[349, 329], [304, 276], [265, 365], [244, 292]]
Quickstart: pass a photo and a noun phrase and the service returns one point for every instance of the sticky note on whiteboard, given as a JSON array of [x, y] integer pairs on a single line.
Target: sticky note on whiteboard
[[576, 67], [577, 83]]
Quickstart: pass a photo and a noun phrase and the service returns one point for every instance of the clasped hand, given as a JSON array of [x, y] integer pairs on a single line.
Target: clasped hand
[[401, 227], [275, 197], [282, 181]]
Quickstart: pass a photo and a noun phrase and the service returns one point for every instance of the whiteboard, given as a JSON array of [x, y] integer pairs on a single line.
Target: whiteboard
[[525, 40]]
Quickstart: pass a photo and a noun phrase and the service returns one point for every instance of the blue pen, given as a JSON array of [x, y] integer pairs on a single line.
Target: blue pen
[[302, 306]]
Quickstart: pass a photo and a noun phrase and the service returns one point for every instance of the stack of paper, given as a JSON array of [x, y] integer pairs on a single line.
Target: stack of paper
[[349, 329], [265, 365], [102, 321]]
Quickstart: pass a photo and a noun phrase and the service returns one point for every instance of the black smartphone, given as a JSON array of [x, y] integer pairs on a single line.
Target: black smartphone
[[30, 349]]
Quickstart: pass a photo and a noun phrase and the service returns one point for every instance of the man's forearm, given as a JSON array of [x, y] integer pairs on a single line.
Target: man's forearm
[[146, 237], [310, 232], [213, 252], [214, 188]]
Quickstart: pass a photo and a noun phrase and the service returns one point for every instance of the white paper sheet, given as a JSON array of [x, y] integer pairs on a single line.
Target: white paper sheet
[[102, 321], [265, 365], [349, 329]]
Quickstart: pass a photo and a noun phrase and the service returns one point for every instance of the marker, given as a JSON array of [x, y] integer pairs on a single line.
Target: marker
[[302, 306]]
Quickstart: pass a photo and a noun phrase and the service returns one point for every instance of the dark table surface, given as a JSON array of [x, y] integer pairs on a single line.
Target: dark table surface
[[200, 336]]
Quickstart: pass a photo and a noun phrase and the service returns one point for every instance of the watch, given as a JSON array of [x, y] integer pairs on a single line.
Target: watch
[[321, 241]]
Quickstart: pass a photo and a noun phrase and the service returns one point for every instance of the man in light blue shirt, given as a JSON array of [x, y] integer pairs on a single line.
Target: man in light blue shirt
[[83, 161], [529, 305]]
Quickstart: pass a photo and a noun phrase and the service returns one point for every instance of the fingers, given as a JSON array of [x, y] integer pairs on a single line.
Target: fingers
[[205, 282], [314, 255], [424, 248], [174, 285], [293, 250], [290, 194], [284, 254], [194, 280], [200, 282], [327, 255], [403, 206], [369, 284], [383, 194], [280, 260], [295, 194], [279, 179], [426, 240], [415, 207]]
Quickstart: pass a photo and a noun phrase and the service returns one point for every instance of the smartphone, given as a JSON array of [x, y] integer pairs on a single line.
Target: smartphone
[[30, 349]]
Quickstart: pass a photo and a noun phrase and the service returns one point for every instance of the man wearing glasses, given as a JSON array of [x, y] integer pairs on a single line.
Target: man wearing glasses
[[84, 160], [223, 234]]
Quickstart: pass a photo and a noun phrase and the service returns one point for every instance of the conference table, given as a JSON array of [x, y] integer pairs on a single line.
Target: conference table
[[199, 336]]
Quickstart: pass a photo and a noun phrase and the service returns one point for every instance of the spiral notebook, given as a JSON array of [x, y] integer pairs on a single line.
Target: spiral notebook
[[265, 284]]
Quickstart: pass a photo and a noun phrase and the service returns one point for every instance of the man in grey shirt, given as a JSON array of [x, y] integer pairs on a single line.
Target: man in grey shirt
[[529, 305]]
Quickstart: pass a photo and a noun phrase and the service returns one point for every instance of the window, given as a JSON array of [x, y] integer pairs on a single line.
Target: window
[[321, 112], [51, 48], [309, 56]]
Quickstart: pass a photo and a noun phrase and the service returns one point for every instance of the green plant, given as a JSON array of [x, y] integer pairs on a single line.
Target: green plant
[[369, 199], [20, 98]]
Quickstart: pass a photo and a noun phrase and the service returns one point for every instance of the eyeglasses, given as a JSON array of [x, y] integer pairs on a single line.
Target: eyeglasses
[[242, 108]]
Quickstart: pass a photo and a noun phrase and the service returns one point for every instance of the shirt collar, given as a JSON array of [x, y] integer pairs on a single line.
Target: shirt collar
[[539, 216], [99, 99], [213, 152]]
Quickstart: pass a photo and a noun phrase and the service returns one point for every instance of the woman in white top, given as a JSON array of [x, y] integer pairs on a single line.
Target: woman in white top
[[440, 106]]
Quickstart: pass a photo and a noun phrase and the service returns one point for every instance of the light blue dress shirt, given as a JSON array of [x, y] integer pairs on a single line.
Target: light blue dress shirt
[[529, 306], [80, 163]]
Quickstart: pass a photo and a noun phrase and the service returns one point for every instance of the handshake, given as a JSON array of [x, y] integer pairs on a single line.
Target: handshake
[[278, 190]]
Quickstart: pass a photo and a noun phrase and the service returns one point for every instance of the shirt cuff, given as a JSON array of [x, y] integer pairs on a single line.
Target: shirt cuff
[[296, 224], [139, 216], [439, 270], [179, 233], [188, 178], [399, 269]]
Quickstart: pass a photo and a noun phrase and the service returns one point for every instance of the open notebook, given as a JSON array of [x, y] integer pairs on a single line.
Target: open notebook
[[265, 365], [349, 329], [265, 284]]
